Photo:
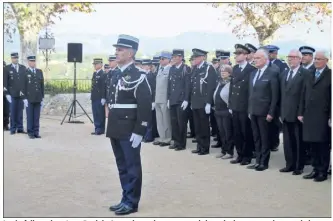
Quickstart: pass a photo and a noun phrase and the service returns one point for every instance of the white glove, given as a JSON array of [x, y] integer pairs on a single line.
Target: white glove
[[207, 108], [329, 123], [41, 103], [281, 120], [153, 106], [184, 105], [250, 116], [25, 101], [103, 101], [168, 104], [136, 140], [9, 98], [230, 111]]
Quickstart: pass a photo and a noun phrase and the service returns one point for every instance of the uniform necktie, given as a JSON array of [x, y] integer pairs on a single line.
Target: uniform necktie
[[290, 76], [317, 74], [257, 77]]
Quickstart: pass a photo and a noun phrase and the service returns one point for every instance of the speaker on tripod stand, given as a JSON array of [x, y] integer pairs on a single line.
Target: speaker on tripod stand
[[74, 54]]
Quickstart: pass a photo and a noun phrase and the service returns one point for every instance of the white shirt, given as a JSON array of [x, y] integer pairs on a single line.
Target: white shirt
[[200, 65], [122, 69], [308, 66], [262, 70], [321, 70], [179, 65], [294, 72], [32, 70], [98, 70], [273, 61], [242, 66], [16, 67]]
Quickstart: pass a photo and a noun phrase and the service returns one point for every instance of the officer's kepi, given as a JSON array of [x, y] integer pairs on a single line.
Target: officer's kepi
[[14, 55], [198, 52], [31, 58], [307, 50], [127, 41]]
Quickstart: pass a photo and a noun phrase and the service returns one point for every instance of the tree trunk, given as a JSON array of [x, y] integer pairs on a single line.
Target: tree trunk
[[28, 46]]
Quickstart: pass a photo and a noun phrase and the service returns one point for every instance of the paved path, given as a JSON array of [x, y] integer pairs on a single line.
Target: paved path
[[70, 173]]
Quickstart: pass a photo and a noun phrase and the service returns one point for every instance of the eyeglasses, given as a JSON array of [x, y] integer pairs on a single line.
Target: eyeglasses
[[320, 59], [292, 57]]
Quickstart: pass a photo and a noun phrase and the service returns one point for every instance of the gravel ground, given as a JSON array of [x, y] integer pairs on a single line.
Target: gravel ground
[[73, 174]]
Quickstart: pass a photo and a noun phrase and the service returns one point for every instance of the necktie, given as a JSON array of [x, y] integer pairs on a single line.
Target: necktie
[[290, 76], [317, 74], [257, 77]]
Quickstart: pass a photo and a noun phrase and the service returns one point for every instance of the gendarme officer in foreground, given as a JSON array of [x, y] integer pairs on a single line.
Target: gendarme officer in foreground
[[33, 95], [130, 112]]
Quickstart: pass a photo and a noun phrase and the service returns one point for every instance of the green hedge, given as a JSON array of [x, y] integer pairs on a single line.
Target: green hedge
[[65, 86]]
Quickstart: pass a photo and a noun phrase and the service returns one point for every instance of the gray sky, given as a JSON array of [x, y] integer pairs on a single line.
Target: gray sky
[[162, 20]]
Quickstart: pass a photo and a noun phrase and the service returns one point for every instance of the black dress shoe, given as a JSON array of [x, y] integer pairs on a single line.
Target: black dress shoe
[[31, 137], [261, 168], [189, 136], [179, 148], [195, 151], [235, 161], [93, 133], [99, 133], [274, 149], [311, 175], [329, 171], [320, 178], [203, 153], [215, 139], [116, 207], [164, 144], [297, 172], [218, 145], [194, 141], [12, 132], [125, 210], [172, 146], [156, 143], [286, 170], [245, 162], [253, 166], [20, 132], [37, 136]]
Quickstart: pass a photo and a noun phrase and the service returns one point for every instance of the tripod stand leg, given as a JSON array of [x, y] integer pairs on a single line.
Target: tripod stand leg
[[70, 108], [71, 114], [85, 112]]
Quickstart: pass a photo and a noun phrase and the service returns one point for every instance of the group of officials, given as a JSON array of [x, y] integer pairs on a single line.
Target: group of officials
[[246, 106], [22, 87]]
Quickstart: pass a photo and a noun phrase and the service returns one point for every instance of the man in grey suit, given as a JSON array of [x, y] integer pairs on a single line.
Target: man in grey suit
[[161, 108]]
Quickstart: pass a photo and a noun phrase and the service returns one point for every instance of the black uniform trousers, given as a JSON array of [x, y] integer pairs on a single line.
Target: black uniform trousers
[[243, 135], [178, 118], [5, 112], [294, 151], [190, 120], [202, 129], [213, 123], [98, 111], [154, 123], [16, 114], [33, 117], [274, 132], [128, 161], [260, 128], [320, 153], [225, 129]]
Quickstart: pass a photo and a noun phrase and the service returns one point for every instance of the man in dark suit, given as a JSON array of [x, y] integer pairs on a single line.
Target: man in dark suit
[[291, 89], [14, 76], [130, 113], [238, 105], [33, 95], [307, 57], [203, 86], [263, 98], [315, 114], [275, 126]]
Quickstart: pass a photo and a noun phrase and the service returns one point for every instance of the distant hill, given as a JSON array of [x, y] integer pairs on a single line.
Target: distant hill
[[95, 43]]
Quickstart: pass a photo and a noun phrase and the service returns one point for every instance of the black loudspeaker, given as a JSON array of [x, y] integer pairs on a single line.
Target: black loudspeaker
[[74, 52]]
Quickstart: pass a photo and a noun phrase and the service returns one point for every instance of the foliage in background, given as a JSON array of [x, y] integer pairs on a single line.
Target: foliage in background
[[30, 18], [262, 20]]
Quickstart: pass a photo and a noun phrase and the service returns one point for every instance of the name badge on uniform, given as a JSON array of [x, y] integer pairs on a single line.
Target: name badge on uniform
[[29, 75], [201, 73]]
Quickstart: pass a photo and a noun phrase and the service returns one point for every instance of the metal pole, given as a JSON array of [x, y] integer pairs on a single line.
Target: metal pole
[[74, 88]]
